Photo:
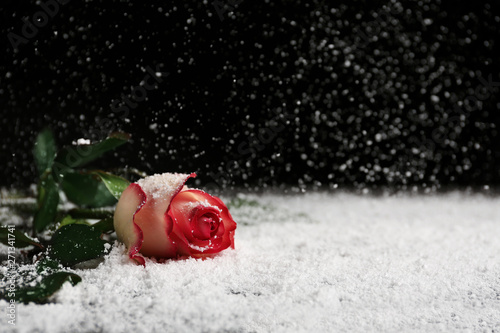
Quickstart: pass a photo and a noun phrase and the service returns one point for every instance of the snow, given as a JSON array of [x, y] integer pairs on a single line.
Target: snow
[[313, 262], [189, 206], [82, 141], [163, 185]]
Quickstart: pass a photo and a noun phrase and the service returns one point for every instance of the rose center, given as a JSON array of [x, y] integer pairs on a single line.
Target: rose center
[[205, 226], [210, 221]]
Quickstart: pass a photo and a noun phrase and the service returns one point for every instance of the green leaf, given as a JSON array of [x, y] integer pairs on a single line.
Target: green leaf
[[91, 213], [48, 199], [105, 225], [46, 287], [87, 190], [15, 238], [115, 184], [75, 243], [68, 219], [44, 151], [46, 266], [77, 156]]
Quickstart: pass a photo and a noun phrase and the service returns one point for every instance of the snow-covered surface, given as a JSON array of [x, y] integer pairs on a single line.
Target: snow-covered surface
[[310, 263]]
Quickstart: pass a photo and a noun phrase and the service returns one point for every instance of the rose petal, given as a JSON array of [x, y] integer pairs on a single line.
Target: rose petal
[[184, 207], [155, 224], [131, 201], [140, 217]]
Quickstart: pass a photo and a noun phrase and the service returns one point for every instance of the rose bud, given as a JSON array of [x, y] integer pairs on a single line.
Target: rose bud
[[160, 217]]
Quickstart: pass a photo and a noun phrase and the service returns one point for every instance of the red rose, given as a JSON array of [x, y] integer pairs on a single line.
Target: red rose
[[160, 217]]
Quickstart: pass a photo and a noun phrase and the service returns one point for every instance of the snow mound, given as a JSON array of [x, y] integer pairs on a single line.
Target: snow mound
[[315, 262]]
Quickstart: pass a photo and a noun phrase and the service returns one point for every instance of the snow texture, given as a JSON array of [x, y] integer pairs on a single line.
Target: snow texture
[[164, 185], [309, 263]]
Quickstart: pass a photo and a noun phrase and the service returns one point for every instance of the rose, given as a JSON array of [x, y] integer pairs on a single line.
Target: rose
[[160, 217]]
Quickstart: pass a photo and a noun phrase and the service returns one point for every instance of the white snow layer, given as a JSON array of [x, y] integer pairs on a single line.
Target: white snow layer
[[310, 263]]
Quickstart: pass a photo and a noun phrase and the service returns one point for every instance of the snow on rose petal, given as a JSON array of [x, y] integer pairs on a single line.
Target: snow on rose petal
[[158, 216]]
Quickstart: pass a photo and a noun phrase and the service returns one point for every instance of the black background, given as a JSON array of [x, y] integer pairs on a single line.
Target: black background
[[374, 94]]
